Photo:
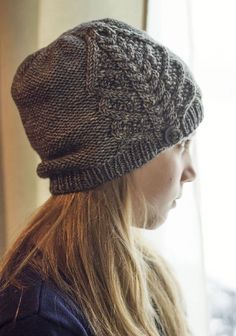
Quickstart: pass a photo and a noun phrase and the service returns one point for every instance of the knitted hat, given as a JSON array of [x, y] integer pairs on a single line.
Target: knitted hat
[[101, 100]]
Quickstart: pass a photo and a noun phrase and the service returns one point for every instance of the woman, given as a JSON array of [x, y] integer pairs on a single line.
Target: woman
[[111, 114]]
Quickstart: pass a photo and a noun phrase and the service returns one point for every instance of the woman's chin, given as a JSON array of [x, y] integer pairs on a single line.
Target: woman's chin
[[174, 204]]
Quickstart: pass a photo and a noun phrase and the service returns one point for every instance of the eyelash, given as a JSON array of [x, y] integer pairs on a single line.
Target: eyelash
[[185, 143]]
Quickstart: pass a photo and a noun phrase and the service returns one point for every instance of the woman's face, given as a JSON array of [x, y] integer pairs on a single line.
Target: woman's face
[[161, 180]]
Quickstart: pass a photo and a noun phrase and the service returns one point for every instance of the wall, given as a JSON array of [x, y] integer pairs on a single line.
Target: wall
[[26, 26]]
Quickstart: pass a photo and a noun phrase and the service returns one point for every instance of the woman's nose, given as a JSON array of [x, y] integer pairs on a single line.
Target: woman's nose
[[189, 174]]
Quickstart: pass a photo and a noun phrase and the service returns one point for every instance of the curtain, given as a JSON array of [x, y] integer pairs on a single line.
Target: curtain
[[180, 238]]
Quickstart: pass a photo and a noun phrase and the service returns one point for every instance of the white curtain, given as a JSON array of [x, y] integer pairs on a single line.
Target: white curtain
[[180, 238]]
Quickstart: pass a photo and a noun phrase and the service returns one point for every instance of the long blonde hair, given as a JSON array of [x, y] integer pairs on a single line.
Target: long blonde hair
[[94, 252]]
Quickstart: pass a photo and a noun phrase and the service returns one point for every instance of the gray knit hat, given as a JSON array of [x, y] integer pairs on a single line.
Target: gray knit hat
[[101, 100]]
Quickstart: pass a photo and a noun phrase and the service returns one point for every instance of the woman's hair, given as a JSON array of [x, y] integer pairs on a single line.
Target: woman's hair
[[94, 252]]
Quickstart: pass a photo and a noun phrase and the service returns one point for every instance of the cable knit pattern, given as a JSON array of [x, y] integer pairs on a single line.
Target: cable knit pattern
[[102, 99]]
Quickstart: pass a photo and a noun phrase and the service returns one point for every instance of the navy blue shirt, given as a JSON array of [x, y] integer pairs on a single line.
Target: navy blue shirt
[[42, 311]]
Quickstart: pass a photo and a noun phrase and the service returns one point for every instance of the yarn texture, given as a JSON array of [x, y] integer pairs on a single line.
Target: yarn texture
[[103, 99]]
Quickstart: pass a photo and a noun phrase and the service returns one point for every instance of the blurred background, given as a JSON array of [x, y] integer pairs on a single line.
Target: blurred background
[[198, 238]]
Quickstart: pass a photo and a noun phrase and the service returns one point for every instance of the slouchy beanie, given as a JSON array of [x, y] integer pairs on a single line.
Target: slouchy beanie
[[103, 99]]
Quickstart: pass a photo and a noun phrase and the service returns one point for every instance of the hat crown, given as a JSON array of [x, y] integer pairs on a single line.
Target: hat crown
[[99, 94]]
